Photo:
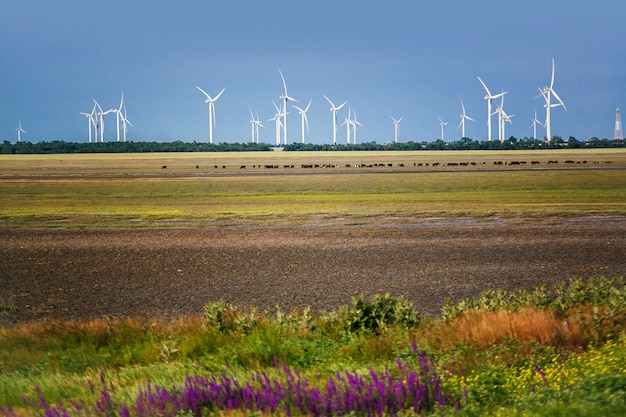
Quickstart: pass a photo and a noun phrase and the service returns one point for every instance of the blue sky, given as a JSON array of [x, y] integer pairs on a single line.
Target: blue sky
[[415, 59]]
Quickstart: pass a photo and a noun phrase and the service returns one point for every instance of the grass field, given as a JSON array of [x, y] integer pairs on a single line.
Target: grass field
[[134, 189]]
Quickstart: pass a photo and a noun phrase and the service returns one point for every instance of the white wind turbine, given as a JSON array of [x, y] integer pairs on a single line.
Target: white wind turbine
[[119, 115], [489, 97], [442, 124], [286, 98], [125, 121], [211, 102], [91, 122], [305, 120], [348, 122], [334, 109], [100, 116], [534, 124], [354, 123], [503, 118], [255, 124], [277, 118], [396, 127], [19, 131], [547, 94], [464, 117]]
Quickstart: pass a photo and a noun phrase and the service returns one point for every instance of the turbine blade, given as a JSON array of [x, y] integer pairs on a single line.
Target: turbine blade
[[283, 78], [559, 99], [204, 92], [220, 93], [552, 79], [484, 85], [331, 103], [342, 104]]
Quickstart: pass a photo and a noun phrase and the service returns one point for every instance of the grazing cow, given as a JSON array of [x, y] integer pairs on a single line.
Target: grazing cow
[[390, 165], [435, 164], [214, 166], [164, 167], [569, 161], [535, 162], [223, 166], [514, 163], [473, 163], [401, 165], [242, 167], [419, 165], [197, 167]]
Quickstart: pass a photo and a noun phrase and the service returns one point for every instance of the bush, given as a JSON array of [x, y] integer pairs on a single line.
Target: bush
[[377, 314]]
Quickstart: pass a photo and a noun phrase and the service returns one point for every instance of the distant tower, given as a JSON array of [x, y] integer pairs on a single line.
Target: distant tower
[[618, 126]]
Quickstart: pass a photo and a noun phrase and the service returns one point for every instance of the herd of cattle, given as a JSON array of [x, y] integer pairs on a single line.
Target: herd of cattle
[[401, 164]]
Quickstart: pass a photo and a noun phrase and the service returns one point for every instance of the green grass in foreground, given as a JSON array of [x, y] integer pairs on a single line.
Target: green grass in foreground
[[149, 201], [547, 352]]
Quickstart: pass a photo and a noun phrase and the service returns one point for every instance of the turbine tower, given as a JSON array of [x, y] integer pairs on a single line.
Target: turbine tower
[[19, 131], [618, 126], [396, 127], [304, 120], [211, 102], [464, 117], [285, 97], [489, 97], [334, 109], [547, 94]]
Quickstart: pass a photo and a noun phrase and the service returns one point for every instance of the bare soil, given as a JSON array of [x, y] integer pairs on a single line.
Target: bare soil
[[49, 274]]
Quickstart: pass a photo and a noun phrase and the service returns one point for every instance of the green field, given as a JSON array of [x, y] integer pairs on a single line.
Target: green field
[[134, 190]]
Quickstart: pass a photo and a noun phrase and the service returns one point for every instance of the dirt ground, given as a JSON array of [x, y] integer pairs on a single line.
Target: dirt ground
[[73, 274]]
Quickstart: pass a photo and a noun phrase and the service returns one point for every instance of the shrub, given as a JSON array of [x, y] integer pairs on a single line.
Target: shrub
[[378, 313]]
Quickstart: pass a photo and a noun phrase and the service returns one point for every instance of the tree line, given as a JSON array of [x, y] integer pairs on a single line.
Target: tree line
[[62, 147]]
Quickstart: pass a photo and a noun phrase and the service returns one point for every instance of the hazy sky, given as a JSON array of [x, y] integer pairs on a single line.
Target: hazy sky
[[415, 59]]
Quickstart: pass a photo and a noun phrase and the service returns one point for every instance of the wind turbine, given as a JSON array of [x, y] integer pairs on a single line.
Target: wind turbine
[[124, 122], [442, 124], [464, 117], [355, 123], [118, 115], [489, 97], [547, 94], [100, 115], [305, 120], [252, 123], [19, 131], [396, 127], [277, 118], [534, 125], [334, 109], [91, 122], [211, 102], [255, 123], [348, 122], [503, 118], [285, 97]]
